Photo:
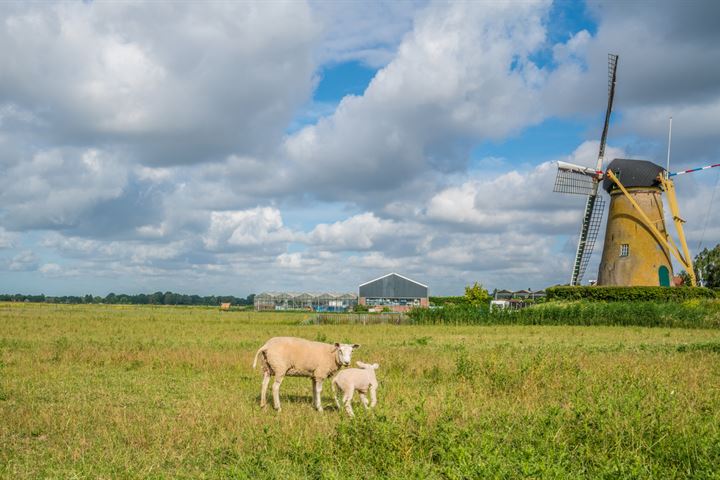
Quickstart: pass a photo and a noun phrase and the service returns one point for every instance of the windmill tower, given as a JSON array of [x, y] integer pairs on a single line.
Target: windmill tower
[[637, 245], [632, 255]]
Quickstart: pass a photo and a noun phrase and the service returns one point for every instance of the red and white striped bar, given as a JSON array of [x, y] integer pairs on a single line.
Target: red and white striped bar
[[706, 167]]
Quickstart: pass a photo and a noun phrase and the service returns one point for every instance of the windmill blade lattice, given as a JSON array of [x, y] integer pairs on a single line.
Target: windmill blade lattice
[[568, 181], [593, 220]]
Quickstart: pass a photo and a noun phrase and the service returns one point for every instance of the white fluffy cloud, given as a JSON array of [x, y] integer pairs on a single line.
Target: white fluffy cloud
[[462, 74], [356, 233], [246, 228], [175, 83], [516, 200]]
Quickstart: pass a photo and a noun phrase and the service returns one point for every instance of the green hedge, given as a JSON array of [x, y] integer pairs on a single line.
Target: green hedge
[[689, 314], [625, 294]]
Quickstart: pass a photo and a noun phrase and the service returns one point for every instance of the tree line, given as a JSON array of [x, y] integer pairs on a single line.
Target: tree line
[[157, 298]]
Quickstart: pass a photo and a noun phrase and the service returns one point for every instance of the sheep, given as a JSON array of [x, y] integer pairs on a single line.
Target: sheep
[[297, 357], [361, 379]]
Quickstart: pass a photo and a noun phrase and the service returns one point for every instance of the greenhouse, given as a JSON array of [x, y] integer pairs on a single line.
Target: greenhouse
[[319, 302]]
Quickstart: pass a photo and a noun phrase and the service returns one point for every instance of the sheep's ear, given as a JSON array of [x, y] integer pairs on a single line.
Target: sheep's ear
[[375, 366], [337, 345], [355, 345]]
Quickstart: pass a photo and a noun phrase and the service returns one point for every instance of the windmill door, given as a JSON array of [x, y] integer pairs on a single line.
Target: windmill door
[[664, 276]]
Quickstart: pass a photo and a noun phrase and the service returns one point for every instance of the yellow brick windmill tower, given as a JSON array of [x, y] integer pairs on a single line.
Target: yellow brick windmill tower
[[636, 251]]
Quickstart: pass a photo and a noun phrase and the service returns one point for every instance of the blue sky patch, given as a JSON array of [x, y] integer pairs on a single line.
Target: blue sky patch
[[549, 140], [342, 79]]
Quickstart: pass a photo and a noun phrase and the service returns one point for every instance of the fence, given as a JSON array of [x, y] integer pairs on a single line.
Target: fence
[[356, 318]]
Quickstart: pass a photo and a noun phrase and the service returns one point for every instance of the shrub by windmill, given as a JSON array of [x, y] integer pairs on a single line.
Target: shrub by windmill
[[637, 246]]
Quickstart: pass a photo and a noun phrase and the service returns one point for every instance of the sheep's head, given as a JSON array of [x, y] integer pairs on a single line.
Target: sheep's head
[[344, 352], [367, 366]]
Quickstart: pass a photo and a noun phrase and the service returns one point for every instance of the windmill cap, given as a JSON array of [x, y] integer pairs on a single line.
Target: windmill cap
[[633, 173]]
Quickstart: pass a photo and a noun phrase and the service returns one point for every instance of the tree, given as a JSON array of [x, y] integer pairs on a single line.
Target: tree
[[359, 308], [477, 295], [707, 267]]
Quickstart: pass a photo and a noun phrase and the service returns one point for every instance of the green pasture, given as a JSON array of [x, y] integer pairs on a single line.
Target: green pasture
[[100, 391]]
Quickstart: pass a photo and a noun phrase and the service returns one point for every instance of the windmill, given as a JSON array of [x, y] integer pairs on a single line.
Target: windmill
[[585, 181], [637, 247]]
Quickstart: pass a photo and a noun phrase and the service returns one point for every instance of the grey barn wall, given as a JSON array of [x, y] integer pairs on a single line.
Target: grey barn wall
[[393, 286]]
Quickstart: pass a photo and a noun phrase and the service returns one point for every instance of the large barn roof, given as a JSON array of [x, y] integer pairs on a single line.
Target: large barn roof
[[393, 285], [396, 274]]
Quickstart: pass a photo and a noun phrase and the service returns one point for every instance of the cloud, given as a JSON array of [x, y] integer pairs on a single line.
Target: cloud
[[461, 75], [7, 239], [516, 200], [669, 66], [173, 84], [55, 188], [163, 146], [358, 232], [246, 228], [24, 261], [368, 32]]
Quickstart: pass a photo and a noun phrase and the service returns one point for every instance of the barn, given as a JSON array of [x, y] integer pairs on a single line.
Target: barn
[[394, 291]]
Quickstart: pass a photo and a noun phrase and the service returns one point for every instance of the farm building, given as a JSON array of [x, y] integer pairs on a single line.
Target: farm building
[[319, 302], [518, 294], [394, 291]]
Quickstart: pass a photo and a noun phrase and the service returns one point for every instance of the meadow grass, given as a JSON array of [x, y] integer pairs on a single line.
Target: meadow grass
[[96, 391]]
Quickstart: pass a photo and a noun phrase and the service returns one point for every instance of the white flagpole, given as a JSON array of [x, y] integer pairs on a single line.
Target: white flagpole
[[669, 143]]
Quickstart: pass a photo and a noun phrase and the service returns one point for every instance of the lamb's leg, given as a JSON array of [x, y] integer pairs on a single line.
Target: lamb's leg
[[276, 391], [263, 390], [333, 386], [364, 400], [373, 396], [347, 400], [318, 393]]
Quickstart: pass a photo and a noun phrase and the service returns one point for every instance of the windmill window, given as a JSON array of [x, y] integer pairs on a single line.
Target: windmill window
[[624, 250]]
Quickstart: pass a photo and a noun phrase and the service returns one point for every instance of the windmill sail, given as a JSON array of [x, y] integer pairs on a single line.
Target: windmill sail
[[575, 179], [593, 209], [584, 181]]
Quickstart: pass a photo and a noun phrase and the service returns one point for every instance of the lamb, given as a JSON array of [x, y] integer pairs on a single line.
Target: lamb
[[297, 357], [361, 379]]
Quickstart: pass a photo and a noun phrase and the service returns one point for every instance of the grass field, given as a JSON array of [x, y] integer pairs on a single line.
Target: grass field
[[140, 392]]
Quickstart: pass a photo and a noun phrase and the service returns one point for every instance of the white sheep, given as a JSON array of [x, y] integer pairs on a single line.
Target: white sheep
[[362, 379], [297, 357]]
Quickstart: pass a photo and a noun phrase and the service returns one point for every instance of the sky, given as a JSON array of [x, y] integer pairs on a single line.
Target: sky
[[239, 147]]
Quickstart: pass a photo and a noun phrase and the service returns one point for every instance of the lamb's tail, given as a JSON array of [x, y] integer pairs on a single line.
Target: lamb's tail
[[256, 357]]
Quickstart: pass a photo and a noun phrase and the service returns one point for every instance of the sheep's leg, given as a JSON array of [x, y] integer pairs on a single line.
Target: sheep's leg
[[314, 391], [347, 400], [276, 392], [318, 393], [364, 400], [263, 390], [373, 396]]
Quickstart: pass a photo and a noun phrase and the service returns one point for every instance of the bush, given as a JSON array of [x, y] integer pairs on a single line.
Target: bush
[[624, 294], [689, 314], [443, 301]]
